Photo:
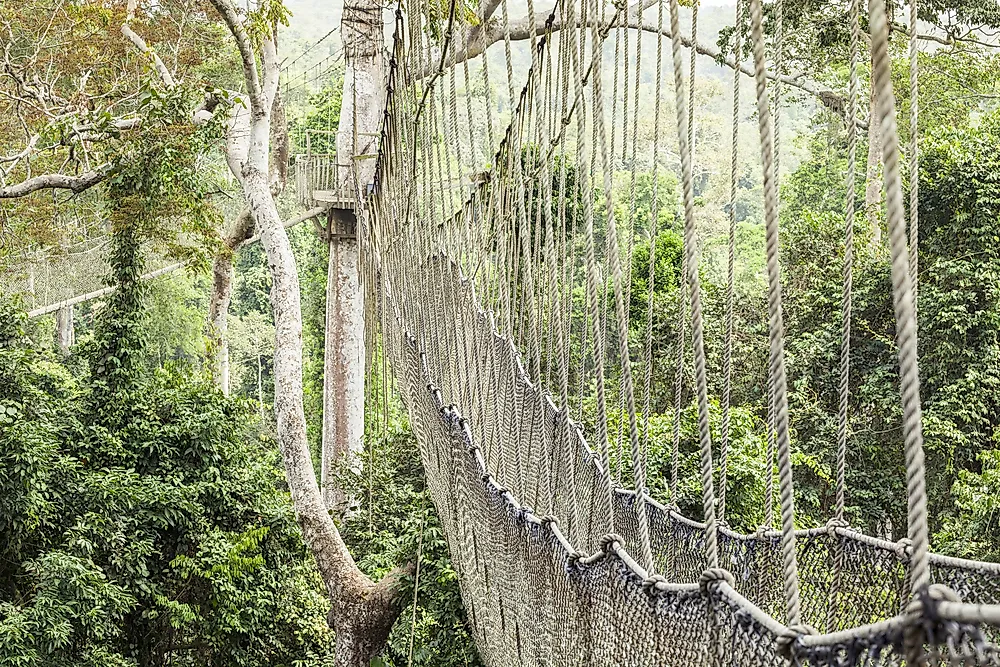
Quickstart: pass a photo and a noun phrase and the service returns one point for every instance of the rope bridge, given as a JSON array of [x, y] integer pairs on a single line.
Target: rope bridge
[[473, 298]]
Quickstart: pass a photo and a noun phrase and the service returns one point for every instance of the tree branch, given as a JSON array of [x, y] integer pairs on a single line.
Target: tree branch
[[75, 184], [140, 44], [522, 29], [235, 25]]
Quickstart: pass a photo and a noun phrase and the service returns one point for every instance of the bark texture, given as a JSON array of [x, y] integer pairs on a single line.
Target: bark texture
[[218, 305], [65, 333], [344, 363], [362, 612], [344, 347]]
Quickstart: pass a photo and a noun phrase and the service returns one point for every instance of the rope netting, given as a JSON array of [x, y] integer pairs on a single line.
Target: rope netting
[[475, 289]]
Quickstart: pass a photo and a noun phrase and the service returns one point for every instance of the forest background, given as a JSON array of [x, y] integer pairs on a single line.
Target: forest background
[[144, 516]]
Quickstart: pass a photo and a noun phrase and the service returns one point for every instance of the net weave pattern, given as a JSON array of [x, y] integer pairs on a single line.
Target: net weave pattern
[[475, 307]]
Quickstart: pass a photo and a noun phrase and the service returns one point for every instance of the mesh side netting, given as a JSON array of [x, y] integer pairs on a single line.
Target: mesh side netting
[[534, 594], [47, 280]]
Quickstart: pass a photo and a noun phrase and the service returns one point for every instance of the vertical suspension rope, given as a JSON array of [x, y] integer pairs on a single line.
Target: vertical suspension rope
[[697, 325], [779, 35], [914, 151], [902, 293], [843, 424], [727, 354], [653, 231], [846, 299], [776, 325], [614, 263], [593, 299]]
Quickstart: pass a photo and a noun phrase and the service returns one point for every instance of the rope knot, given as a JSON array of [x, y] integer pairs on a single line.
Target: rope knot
[[926, 601], [621, 5], [548, 520], [714, 575], [791, 635], [904, 549], [650, 582], [833, 524], [607, 541]]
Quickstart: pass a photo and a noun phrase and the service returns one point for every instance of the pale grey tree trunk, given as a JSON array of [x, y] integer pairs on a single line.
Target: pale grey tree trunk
[[344, 348], [65, 333], [362, 612], [344, 363]]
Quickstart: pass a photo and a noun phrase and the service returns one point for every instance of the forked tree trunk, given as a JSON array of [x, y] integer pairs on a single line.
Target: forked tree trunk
[[361, 612]]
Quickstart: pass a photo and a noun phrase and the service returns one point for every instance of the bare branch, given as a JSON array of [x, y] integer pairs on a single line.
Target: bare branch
[[140, 44], [56, 182], [522, 30], [231, 16]]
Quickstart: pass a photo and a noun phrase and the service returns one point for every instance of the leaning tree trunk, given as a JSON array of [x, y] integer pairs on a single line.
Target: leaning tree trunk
[[344, 347], [361, 611]]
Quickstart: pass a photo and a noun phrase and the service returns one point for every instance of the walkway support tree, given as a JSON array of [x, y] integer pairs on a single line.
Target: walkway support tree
[[362, 611]]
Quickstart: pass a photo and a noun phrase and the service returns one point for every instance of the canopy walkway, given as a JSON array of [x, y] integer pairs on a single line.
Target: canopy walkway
[[473, 299]]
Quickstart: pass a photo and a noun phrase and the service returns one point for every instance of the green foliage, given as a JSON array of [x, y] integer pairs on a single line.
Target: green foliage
[[142, 520], [974, 530], [396, 521]]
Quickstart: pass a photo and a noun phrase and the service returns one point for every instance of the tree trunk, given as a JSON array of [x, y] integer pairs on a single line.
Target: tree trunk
[[361, 612], [363, 94], [344, 363], [218, 304], [344, 348], [65, 335]]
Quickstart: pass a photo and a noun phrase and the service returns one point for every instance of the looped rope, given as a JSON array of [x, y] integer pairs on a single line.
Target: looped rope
[[607, 541], [904, 549], [833, 524], [924, 606], [791, 634], [651, 582], [548, 520], [714, 575]]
